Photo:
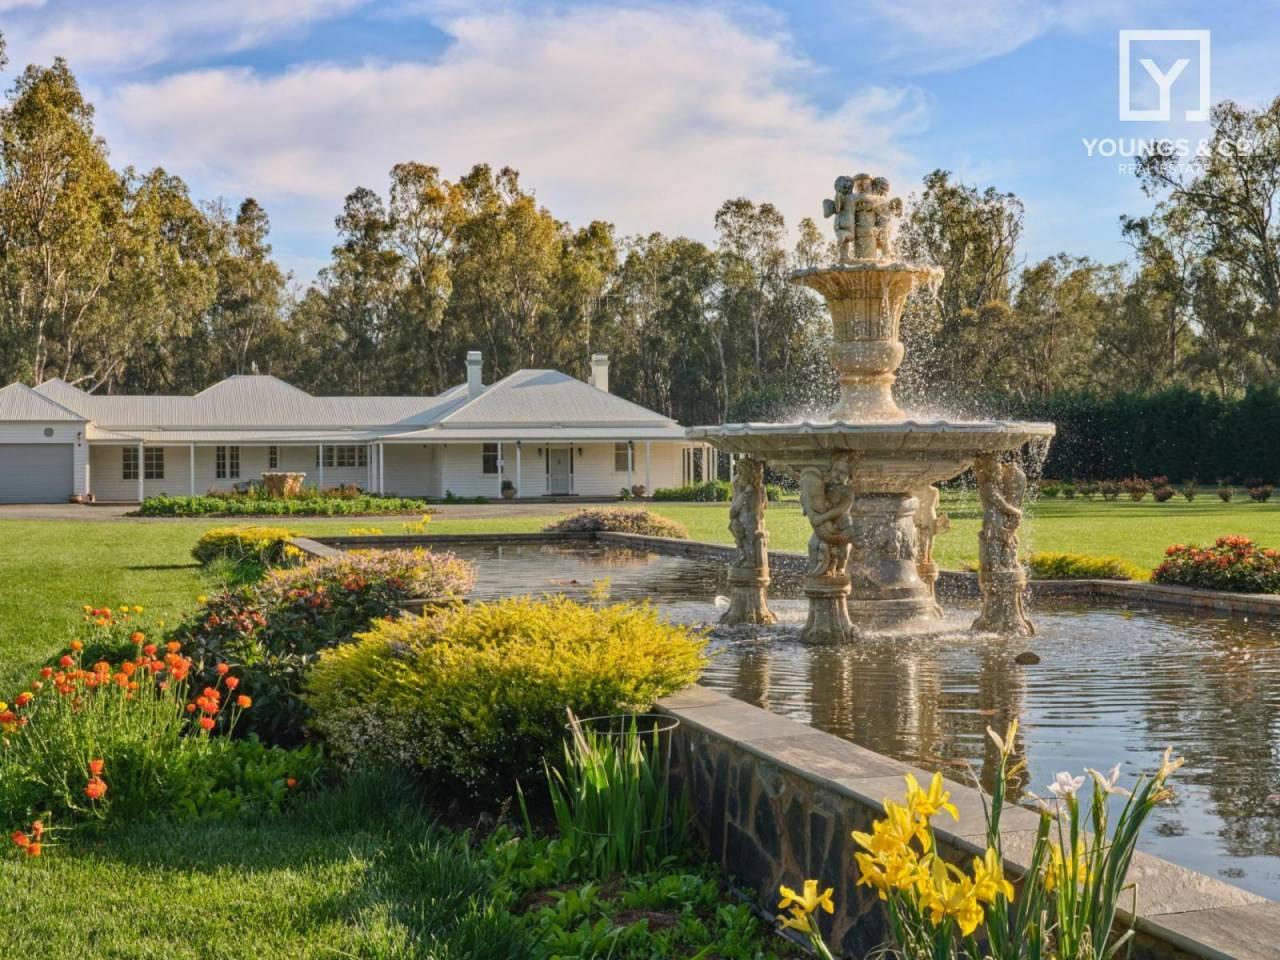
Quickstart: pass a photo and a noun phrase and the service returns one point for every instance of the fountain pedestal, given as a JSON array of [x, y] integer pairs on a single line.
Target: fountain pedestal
[[886, 592], [828, 620]]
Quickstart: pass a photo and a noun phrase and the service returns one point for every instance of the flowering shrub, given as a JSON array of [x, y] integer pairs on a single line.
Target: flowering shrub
[[258, 545], [91, 742], [1136, 488], [1260, 493], [273, 631], [1079, 566], [307, 505], [641, 522], [478, 693], [1232, 563]]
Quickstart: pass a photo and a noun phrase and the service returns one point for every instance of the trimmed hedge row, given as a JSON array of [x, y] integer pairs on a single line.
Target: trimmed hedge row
[[209, 506], [1181, 434], [713, 491]]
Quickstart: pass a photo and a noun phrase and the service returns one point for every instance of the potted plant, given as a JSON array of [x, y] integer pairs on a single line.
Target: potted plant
[[508, 490]]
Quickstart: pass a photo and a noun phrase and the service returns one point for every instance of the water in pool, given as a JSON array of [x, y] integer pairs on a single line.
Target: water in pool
[[1112, 685]]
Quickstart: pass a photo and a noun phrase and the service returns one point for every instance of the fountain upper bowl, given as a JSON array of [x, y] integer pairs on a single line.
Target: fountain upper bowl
[[891, 455]]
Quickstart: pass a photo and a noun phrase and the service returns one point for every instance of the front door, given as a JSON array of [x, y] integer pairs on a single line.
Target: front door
[[559, 470]]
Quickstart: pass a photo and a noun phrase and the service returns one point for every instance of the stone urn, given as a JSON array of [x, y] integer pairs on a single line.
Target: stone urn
[[283, 485], [508, 490]]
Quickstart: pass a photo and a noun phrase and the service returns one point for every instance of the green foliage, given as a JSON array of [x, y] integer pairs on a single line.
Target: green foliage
[[273, 631], [611, 798], [264, 546], [1077, 566], [1232, 563], [683, 909], [1260, 493], [604, 520], [305, 506], [476, 694], [1050, 488], [712, 491]]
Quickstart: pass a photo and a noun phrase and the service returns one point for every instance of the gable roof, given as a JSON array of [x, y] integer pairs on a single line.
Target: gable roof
[[549, 398], [19, 402], [253, 401]]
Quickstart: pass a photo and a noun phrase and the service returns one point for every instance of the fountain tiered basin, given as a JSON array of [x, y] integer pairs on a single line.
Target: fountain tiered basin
[[867, 472]]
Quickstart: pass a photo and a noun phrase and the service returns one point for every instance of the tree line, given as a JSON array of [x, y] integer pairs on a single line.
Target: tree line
[[119, 280]]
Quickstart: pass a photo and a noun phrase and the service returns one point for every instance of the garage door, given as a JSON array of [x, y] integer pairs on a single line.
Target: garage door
[[35, 472]]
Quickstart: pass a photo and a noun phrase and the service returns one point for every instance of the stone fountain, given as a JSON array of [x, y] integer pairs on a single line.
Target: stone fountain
[[866, 472]]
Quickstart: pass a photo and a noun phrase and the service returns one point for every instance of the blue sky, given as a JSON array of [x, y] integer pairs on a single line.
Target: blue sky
[[646, 114]]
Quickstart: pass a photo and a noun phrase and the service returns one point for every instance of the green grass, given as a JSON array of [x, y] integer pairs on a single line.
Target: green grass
[[354, 872]]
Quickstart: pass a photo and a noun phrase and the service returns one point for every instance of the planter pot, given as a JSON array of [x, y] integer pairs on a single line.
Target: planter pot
[[509, 493]]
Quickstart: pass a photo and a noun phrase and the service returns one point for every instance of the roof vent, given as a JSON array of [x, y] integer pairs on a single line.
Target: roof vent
[[600, 371], [475, 382]]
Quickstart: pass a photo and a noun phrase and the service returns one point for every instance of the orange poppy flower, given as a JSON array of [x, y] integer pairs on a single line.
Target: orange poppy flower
[[233, 682], [243, 702], [95, 767], [206, 723], [95, 788]]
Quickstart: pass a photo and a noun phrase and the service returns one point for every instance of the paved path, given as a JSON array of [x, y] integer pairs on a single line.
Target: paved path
[[117, 511]]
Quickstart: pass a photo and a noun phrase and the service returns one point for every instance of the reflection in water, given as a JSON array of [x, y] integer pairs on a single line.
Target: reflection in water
[[1113, 685]]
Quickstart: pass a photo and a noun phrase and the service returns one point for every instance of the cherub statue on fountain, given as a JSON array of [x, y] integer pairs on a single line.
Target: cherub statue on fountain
[[864, 217], [843, 207], [826, 504], [1001, 489], [749, 571]]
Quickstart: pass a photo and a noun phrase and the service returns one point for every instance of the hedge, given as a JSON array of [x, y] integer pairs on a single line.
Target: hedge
[[1181, 434], [210, 506]]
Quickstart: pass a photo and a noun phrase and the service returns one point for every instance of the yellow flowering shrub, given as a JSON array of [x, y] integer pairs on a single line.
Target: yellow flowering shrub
[[477, 694], [264, 545]]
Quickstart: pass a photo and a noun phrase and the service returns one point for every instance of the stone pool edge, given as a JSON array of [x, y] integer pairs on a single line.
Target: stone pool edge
[[950, 582], [775, 800]]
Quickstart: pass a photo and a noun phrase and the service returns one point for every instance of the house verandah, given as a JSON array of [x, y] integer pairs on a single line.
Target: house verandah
[[122, 469]]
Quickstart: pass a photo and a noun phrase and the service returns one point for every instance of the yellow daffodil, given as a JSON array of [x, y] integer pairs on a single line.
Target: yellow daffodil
[[952, 895], [988, 877], [928, 803], [803, 906], [1060, 871]]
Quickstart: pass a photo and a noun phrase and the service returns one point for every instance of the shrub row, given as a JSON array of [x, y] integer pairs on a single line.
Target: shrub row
[[712, 491], [309, 506], [1183, 433], [1079, 566], [1137, 488]]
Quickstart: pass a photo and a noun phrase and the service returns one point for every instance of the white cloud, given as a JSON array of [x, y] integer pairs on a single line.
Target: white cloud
[[930, 35], [108, 36], [649, 117]]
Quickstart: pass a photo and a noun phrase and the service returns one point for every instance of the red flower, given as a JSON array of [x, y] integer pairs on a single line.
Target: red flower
[[206, 723], [137, 638], [33, 850], [233, 682], [66, 660], [20, 838], [95, 767], [222, 669], [22, 699], [95, 788], [291, 782], [243, 702]]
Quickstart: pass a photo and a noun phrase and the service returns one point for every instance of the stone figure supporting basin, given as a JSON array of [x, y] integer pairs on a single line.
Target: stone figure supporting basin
[[866, 473]]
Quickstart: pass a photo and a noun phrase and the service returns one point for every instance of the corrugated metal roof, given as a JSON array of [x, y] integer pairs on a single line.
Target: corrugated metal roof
[[18, 402], [529, 404], [248, 401], [548, 397]]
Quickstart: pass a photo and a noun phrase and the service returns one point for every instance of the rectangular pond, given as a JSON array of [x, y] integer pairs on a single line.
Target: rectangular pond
[[1111, 685]]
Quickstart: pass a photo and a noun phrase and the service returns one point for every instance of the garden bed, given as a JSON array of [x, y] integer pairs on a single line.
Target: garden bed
[[357, 505]]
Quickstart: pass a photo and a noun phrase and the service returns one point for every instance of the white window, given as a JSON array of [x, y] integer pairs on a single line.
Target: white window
[[273, 458], [226, 463], [153, 463], [344, 456], [128, 463], [489, 459], [620, 451]]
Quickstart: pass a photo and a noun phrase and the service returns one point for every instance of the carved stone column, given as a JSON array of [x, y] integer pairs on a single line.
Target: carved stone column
[[827, 496], [929, 523], [886, 589], [749, 571], [1001, 488]]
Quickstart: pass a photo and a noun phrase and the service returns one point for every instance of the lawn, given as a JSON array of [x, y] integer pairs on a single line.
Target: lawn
[[50, 567]]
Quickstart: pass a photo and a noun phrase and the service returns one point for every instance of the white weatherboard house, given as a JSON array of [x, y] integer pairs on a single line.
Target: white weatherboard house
[[544, 431]]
